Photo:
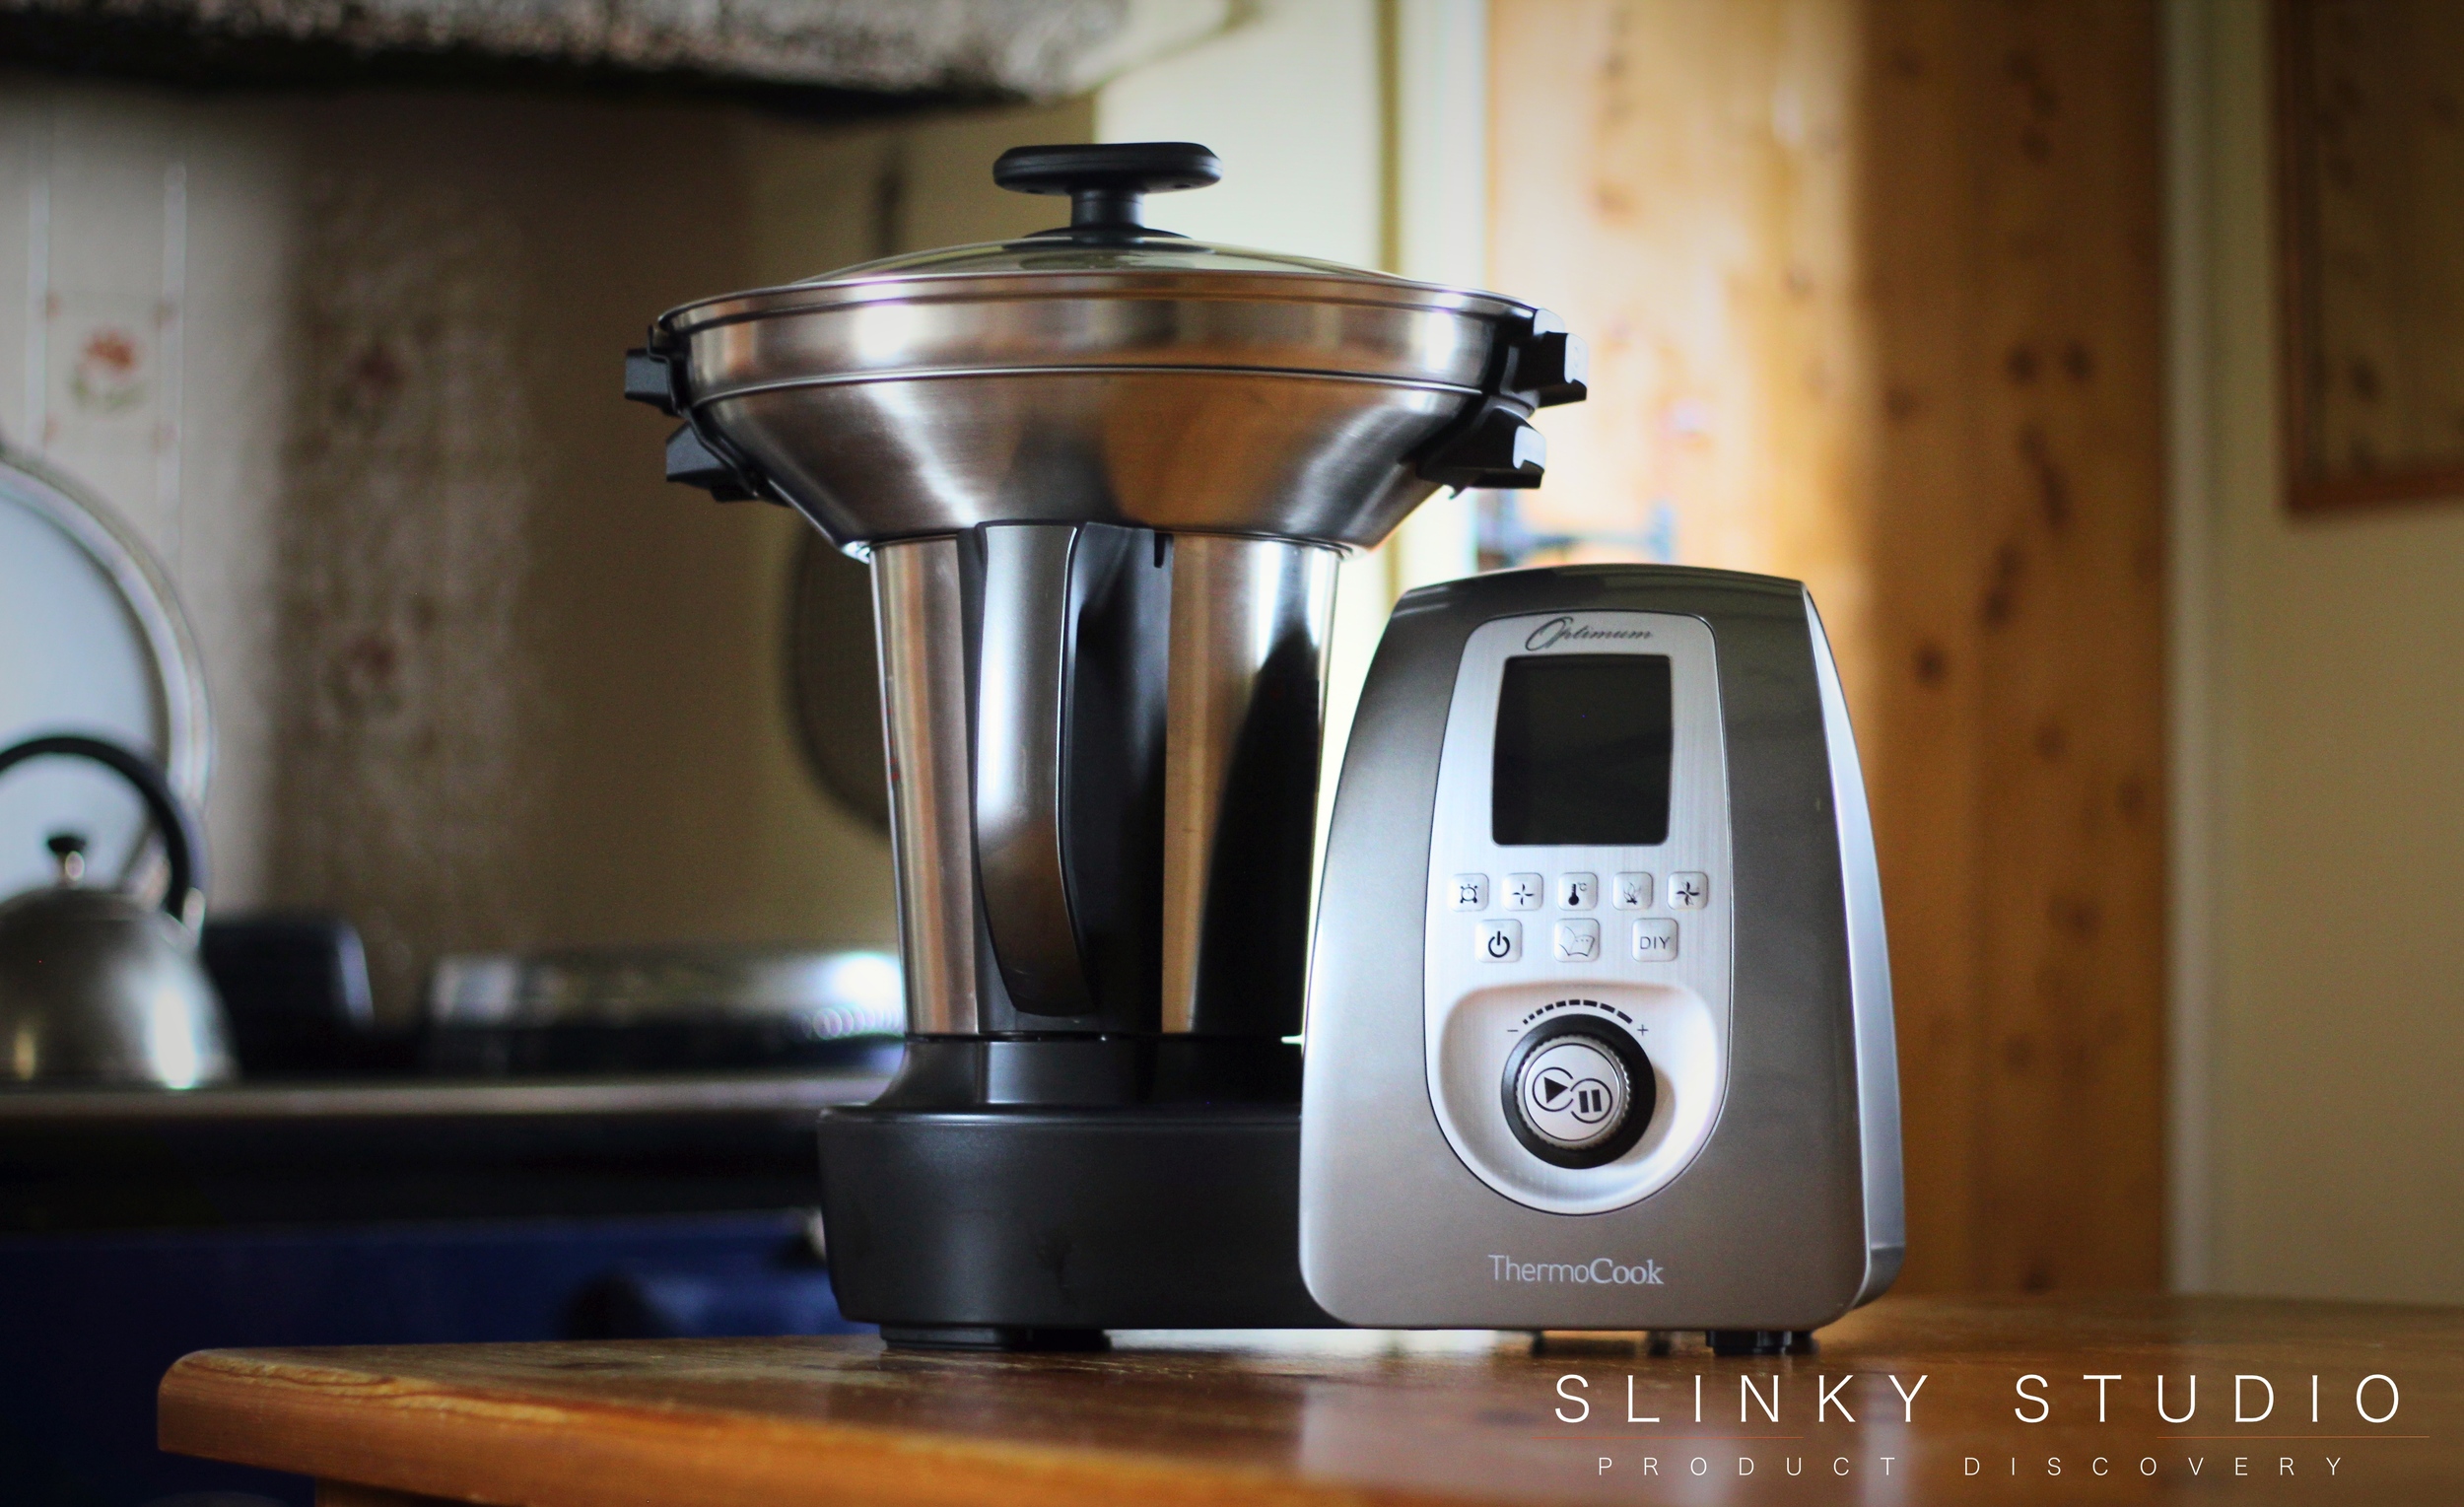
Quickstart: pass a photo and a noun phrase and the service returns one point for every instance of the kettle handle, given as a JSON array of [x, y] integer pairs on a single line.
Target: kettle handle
[[171, 818]]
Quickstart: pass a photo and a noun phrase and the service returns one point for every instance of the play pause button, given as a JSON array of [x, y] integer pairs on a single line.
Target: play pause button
[[1572, 1092], [1587, 1100]]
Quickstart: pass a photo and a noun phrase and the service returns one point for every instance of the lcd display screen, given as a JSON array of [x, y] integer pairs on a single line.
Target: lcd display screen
[[1584, 743]]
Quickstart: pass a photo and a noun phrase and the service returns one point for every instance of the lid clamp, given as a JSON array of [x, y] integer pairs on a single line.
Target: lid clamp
[[651, 376], [1538, 364]]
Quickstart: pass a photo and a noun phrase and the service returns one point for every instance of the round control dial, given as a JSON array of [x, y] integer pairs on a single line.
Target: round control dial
[[1578, 1091]]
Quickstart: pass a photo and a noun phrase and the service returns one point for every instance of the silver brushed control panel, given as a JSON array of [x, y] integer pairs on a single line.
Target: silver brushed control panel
[[1599, 1028], [1621, 949]]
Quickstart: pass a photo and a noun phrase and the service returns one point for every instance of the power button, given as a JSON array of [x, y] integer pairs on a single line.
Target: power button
[[1497, 941], [1578, 1091]]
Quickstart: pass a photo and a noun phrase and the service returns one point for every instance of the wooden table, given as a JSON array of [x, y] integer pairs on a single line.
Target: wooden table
[[1359, 1417]]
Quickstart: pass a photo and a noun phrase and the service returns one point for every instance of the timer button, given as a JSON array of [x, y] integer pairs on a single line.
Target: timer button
[[1578, 1091]]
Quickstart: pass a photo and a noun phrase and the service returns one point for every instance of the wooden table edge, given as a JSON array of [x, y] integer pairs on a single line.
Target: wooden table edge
[[478, 1444]]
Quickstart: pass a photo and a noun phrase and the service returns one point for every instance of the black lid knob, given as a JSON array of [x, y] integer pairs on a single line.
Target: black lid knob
[[1106, 183]]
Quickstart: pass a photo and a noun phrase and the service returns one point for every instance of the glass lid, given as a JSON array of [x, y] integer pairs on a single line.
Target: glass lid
[[1105, 185], [1143, 249]]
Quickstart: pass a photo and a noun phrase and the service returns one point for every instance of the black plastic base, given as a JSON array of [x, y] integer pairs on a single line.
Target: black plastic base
[[1012, 1227], [957, 1337]]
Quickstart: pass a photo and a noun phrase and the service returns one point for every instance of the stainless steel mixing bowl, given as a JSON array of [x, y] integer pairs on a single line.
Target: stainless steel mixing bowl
[[1107, 371]]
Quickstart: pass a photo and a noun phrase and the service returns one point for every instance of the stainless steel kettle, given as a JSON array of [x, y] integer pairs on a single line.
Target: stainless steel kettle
[[96, 985]]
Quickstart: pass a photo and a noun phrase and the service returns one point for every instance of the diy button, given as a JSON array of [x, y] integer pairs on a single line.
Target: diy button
[[1497, 941], [1655, 940]]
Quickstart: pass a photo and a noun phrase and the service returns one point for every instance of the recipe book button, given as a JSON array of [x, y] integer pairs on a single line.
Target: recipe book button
[[1578, 942]]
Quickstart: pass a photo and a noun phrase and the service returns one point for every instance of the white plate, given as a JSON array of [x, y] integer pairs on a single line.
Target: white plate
[[91, 641]]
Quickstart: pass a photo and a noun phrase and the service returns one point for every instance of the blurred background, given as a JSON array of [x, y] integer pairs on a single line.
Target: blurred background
[[2100, 364]]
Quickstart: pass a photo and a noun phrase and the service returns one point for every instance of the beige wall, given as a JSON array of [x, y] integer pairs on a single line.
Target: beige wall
[[481, 678], [1291, 102], [1355, 130], [2324, 871], [83, 168]]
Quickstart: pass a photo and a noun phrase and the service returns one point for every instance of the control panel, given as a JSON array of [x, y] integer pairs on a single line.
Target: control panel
[[1578, 935]]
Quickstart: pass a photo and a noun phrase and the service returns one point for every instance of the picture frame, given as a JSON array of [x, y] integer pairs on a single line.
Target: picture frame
[[2369, 109]]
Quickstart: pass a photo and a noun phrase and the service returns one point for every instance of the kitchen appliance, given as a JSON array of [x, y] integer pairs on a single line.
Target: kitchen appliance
[[295, 991], [1103, 475], [662, 1010], [1599, 1014], [96, 985]]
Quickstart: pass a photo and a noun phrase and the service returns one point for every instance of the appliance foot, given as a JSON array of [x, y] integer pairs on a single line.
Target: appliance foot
[[1759, 1342]]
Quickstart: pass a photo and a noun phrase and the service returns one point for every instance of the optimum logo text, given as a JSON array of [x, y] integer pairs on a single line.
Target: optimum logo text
[[1561, 630]]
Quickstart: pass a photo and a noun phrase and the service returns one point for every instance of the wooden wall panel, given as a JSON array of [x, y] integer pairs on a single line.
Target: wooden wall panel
[[1677, 179], [1960, 200], [1920, 722]]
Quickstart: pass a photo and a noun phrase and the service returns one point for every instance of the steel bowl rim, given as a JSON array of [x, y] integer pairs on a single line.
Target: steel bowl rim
[[721, 393], [790, 299]]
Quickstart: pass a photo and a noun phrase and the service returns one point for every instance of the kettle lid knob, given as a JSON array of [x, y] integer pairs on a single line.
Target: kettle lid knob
[[69, 848]]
